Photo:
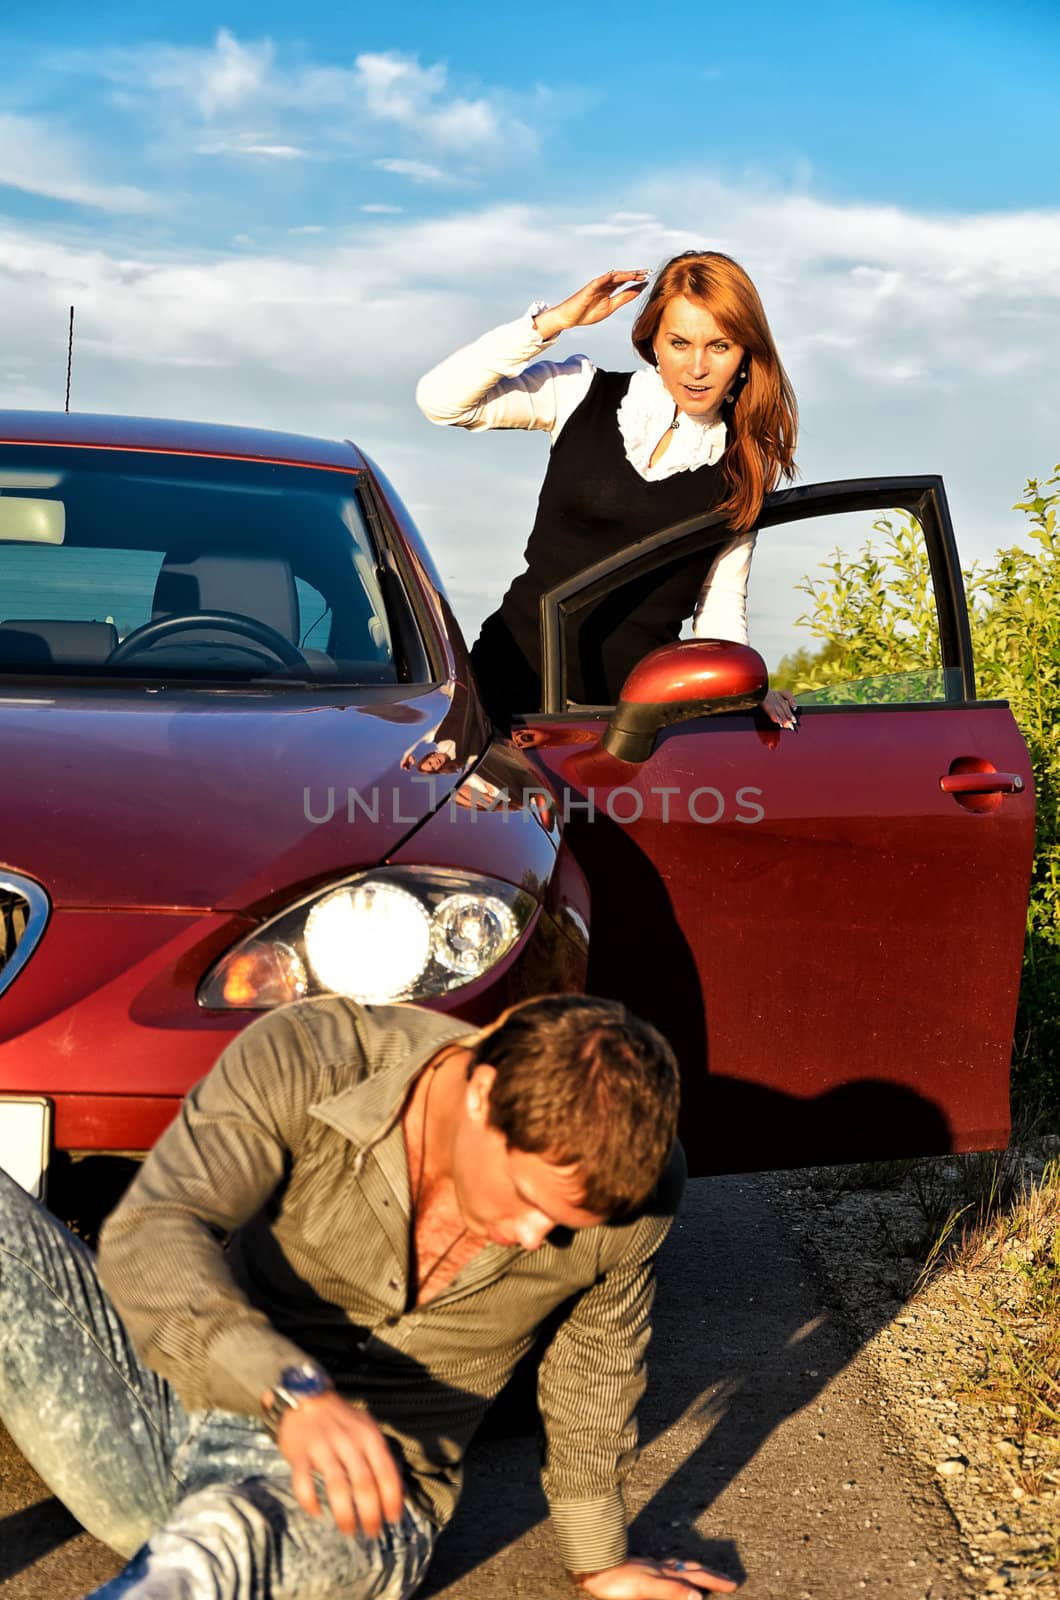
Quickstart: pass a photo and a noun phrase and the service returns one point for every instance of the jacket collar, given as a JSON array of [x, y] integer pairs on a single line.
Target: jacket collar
[[367, 1111]]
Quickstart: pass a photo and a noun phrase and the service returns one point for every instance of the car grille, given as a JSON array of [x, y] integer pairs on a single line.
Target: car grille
[[14, 915], [23, 914]]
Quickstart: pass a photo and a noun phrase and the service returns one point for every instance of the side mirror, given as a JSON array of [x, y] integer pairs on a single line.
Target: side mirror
[[692, 678]]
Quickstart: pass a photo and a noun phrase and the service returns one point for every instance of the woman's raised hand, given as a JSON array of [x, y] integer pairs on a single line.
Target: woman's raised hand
[[593, 303]]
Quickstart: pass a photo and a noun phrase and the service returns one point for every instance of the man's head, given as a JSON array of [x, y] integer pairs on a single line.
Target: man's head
[[570, 1113]]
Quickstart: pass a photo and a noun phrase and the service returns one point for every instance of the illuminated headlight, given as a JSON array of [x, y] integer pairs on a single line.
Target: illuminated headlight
[[391, 934], [372, 941]]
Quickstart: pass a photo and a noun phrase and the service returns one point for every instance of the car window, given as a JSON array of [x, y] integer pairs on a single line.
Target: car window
[[842, 609], [114, 586], [109, 559], [314, 613], [840, 606]]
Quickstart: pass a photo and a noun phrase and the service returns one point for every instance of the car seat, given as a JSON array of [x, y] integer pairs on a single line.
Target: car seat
[[252, 584]]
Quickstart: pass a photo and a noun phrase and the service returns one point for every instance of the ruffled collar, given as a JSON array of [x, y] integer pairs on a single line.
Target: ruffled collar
[[645, 413]]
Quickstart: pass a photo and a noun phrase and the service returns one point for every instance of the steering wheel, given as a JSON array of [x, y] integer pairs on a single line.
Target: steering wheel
[[149, 633]]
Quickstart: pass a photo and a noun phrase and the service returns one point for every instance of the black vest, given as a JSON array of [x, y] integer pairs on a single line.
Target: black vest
[[594, 501]]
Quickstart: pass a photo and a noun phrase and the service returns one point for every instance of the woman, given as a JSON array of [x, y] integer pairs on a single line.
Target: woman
[[708, 424]]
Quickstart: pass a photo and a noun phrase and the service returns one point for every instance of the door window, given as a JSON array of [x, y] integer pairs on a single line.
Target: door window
[[842, 609], [854, 597]]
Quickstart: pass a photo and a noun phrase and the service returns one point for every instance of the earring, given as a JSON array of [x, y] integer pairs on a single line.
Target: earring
[[731, 398]]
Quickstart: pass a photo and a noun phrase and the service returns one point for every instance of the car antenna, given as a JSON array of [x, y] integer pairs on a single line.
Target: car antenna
[[69, 357]]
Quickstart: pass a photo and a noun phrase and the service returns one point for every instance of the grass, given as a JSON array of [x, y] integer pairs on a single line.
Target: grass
[[983, 1216], [1015, 1255], [976, 1239], [1000, 1238], [994, 1228], [951, 1198]]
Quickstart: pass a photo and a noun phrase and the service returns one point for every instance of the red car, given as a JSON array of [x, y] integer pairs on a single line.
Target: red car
[[244, 761]]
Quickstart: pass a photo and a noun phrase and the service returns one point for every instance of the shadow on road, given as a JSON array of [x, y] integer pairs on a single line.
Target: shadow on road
[[33, 1532]]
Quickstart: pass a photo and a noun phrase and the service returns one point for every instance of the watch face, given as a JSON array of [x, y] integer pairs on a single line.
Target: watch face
[[295, 1385], [303, 1380]]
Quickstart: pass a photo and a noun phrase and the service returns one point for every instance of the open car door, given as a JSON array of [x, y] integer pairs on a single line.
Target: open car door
[[827, 924]]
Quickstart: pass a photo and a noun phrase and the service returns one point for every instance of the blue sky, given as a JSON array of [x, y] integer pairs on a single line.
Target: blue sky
[[948, 105], [279, 215]]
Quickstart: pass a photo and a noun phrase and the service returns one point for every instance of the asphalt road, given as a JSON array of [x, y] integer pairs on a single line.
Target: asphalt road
[[766, 1451]]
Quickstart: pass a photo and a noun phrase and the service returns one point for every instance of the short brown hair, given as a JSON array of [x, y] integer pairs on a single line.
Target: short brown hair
[[763, 418], [585, 1083]]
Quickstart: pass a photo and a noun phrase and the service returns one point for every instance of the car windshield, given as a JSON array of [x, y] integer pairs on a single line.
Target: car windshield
[[122, 564]]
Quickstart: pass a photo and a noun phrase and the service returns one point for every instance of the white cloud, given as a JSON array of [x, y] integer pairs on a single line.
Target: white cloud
[[416, 171], [235, 84], [37, 160], [382, 210], [246, 147], [471, 125], [916, 343], [227, 77], [395, 87]]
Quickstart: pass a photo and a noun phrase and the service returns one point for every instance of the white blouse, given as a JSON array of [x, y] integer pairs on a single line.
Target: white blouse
[[488, 384]]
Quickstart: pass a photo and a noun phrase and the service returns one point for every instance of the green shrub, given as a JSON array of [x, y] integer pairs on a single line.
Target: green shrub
[[875, 615]]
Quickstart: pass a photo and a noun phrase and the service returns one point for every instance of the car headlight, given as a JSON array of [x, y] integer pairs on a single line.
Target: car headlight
[[394, 933]]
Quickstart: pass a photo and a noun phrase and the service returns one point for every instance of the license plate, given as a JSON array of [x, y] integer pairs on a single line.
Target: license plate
[[26, 1141]]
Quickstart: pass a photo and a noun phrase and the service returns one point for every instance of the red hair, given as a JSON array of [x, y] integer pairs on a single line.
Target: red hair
[[763, 418]]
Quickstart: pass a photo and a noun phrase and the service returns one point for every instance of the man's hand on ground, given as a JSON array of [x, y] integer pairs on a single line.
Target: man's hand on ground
[[341, 1444], [638, 1578]]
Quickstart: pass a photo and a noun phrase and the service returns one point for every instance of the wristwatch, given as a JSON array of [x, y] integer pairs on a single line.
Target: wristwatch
[[295, 1384]]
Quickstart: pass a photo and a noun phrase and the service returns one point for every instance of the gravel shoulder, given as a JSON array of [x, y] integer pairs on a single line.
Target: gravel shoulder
[[924, 1339]]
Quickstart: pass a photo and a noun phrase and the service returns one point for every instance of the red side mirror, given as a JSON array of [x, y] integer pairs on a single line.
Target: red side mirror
[[692, 678]]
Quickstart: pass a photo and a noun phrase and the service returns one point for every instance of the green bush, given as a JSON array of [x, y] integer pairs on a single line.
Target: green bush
[[874, 613]]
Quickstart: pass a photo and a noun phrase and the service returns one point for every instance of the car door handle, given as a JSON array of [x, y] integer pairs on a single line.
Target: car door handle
[[981, 783]]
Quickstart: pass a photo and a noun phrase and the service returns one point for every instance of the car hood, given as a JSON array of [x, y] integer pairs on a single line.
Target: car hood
[[218, 800]]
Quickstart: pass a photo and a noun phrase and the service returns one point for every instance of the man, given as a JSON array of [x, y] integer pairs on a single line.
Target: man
[[323, 1274]]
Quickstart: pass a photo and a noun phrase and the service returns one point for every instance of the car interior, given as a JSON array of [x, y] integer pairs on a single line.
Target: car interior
[[193, 569]]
